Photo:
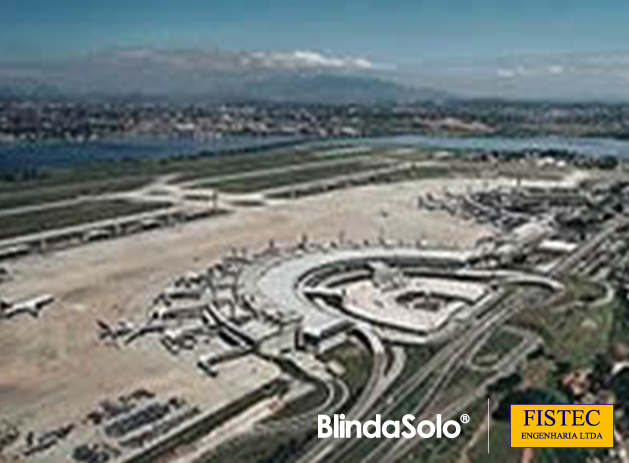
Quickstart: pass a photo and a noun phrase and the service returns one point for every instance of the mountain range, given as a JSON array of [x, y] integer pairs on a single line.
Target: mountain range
[[209, 76], [145, 74]]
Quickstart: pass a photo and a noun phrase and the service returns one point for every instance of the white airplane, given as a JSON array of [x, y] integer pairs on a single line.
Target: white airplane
[[114, 332], [33, 307], [128, 330], [151, 326]]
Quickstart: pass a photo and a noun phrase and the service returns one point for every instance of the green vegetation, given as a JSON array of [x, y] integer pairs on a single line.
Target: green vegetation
[[234, 164], [273, 448], [524, 171], [499, 444], [254, 183], [447, 450], [578, 333], [303, 404], [356, 362], [284, 446], [402, 175], [620, 386], [417, 172], [569, 455], [186, 167], [67, 216], [124, 175], [574, 330], [499, 344], [464, 381], [39, 192], [416, 358], [620, 308], [458, 166]]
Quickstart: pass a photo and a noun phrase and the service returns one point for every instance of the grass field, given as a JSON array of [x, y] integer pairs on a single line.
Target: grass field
[[620, 308], [244, 163], [461, 168], [255, 183], [421, 172], [355, 360], [500, 449], [33, 193], [78, 214], [449, 450], [402, 175], [573, 330], [416, 358], [266, 449], [117, 176], [499, 344], [125, 175], [464, 381]]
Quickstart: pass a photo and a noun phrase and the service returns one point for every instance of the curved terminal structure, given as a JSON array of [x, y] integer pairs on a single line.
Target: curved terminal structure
[[403, 292]]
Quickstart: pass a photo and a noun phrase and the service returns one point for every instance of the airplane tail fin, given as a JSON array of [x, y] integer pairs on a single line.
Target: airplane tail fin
[[104, 330]]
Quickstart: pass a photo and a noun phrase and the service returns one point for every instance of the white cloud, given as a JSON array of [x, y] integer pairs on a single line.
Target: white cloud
[[313, 59], [506, 73], [511, 73], [530, 71], [555, 69]]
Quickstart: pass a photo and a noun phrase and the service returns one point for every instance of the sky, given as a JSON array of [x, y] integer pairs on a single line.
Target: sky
[[391, 31], [507, 48]]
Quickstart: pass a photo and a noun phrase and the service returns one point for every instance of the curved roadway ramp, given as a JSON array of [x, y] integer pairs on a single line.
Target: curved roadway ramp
[[379, 381], [451, 358], [375, 386]]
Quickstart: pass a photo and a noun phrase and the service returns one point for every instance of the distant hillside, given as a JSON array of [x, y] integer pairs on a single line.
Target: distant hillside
[[321, 88], [208, 76]]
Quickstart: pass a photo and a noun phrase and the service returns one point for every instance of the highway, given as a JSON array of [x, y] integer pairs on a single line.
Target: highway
[[379, 381], [308, 419], [397, 449], [507, 365], [372, 390], [443, 367], [530, 341]]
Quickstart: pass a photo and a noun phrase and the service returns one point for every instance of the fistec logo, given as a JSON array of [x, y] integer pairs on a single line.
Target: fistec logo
[[562, 426]]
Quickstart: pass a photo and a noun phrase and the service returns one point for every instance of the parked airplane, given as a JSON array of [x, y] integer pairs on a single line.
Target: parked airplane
[[107, 331], [33, 307], [150, 326], [129, 331]]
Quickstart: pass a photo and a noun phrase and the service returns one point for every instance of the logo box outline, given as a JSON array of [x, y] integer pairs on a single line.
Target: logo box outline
[[566, 405]]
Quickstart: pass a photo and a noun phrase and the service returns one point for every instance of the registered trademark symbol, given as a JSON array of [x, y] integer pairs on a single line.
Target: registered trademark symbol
[[465, 419]]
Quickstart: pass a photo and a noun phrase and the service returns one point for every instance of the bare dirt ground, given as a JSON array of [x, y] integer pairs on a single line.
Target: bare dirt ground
[[53, 369]]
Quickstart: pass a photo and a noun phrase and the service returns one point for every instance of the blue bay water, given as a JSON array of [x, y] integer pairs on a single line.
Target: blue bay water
[[15, 156]]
